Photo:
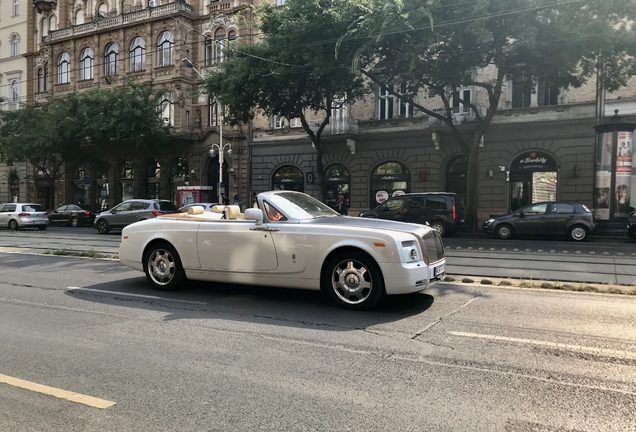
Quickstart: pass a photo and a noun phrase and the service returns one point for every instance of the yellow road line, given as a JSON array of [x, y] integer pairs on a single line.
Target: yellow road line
[[58, 393]]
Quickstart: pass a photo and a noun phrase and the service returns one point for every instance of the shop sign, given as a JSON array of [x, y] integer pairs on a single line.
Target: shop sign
[[381, 196], [534, 161], [398, 193]]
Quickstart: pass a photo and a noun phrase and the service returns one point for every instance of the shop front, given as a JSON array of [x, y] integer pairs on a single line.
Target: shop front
[[533, 178], [389, 179], [337, 187], [288, 177]]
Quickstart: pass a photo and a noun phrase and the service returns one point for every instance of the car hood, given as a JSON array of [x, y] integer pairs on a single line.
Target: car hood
[[359, 222]]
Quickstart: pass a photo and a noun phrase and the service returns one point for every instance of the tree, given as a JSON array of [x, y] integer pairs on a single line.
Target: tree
[[85, 128], [292, 72], [436, 50]]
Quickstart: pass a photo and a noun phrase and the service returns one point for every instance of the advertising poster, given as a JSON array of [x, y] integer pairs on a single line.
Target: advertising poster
[[603, 177], [623, 174]]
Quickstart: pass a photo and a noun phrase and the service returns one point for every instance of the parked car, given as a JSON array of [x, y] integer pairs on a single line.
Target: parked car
[[132, 211], [573, 220], [631, 226], [291, 240], [206, 206], [72, 214], [23, 215], [444, 211]]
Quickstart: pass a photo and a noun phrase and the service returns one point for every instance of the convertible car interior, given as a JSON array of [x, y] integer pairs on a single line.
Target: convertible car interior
[[217, 212]]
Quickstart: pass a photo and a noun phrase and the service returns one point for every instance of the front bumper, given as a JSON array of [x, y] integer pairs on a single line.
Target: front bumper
[[402, 278]]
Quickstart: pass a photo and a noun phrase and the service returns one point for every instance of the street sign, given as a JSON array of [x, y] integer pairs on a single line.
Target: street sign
[[87, 180]]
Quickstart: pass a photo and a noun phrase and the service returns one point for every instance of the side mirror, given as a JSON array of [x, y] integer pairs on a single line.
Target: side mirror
[[254, 214], [522, 214], [113, 211]]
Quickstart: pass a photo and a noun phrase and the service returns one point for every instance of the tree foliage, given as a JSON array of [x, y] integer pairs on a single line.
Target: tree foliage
[[436, 49], [292, 72], [86, 128]]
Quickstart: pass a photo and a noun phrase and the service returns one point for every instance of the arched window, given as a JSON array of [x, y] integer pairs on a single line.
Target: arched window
[[45, 26], [137, 55], [164, 49], [288, 177], [231, 41], [14, 91], [14, 44], [388, 179], [153, 174], [103, 10], [219, 39], [52, 23], [110, 59], [208, 50], [457, 175], [166, 110], [64, 69], [41, 85], [79, 17], [86, 64]]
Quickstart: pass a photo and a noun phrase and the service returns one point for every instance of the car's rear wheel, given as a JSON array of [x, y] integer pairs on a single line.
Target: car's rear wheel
[[354, 281], [13, 225], [577, 233], [163, 267], [439, 227], [504, 231], [74, 222], [102, 227]]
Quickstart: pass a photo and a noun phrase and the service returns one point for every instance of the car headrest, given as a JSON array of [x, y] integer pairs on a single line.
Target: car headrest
[[196, 210], [217, 209], [232, 212]]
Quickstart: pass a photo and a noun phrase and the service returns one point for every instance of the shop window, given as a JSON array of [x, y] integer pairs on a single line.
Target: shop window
[[337, 187], [389, 179], [288, 178]]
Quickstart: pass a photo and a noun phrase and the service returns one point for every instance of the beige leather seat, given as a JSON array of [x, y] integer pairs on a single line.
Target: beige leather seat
[[233, 212], [196, 210], [217, 209], [199, 211]]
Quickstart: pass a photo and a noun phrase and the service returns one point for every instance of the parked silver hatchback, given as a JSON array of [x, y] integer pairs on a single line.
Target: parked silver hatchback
[[23, 215], [131, 211]]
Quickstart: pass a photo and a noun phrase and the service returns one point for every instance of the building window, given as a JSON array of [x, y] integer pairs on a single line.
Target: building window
[[14, 91], [110, 59], [219, 39], [521, 90], [547, 94], [461, 100], [41, 80], [385, 104], [86, 64], [64, 69], [280, 2], [102, 11], [187, 118], [208, 50], [166, 110], [137, 55], [79, 17], [15, 10], [164, 49], [231, 42], [405, 108], [153, 3], [14, 43]]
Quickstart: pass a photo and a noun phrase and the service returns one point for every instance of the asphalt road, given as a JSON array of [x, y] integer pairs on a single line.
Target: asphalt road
[[117, 356]]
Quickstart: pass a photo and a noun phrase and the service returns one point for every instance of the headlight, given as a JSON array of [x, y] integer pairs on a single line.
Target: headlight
[[413, 254], [491, 220]]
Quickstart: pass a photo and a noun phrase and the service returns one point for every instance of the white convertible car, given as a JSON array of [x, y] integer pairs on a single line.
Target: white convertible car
[[291, 240]]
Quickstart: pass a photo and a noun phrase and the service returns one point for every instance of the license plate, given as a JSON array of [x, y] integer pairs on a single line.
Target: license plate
[[439, 270]]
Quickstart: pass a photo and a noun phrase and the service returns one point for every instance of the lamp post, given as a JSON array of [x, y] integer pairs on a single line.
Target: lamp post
[[186, 61], [221, 149]]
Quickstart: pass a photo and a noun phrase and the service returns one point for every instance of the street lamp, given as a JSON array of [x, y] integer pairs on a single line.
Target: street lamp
[[221, 149], [186, 61]]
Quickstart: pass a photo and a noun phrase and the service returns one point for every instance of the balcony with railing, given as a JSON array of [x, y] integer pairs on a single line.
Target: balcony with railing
[[119, 20], [337, 126], [460, 115]]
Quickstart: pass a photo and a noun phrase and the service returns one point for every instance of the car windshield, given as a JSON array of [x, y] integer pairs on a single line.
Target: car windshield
[[32, 208], [300, 206]]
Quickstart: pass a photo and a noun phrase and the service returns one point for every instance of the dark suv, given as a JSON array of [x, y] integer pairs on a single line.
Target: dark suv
[[131, 211], [443, 211]]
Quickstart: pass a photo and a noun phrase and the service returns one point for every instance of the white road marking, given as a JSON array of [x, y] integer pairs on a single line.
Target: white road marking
[[58, 393], [591, 350], [136, 295]]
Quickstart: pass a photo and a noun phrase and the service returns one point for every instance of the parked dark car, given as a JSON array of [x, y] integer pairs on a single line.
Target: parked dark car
[[72, 214], [443, 211], [631, 226], [573, 220], [132, 211]]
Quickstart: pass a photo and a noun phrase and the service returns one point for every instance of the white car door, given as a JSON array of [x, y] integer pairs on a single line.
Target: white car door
[[236, 246]]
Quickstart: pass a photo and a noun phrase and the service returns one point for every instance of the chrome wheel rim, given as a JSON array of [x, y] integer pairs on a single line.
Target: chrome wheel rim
[[578, 233], [504, 232], [101, 227], [74, 222], [351, 281], [161, 267], [438, 227], [13, 225]]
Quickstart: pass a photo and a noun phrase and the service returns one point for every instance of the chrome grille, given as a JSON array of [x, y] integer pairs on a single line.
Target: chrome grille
[[432, 246]]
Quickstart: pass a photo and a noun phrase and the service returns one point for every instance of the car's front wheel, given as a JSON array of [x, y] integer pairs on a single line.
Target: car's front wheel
[[13, 225], [102, 227], [504, 231], [163, 267], [354, 281], [577, 233]]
